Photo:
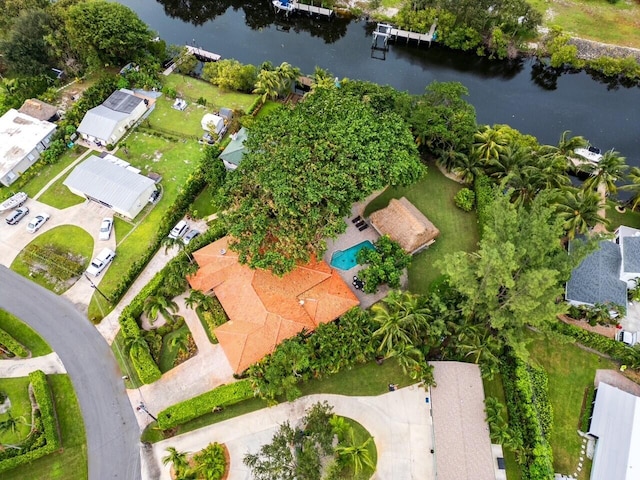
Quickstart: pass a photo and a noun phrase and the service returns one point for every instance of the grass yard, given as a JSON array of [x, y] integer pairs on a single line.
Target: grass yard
[[24, 334], [48, 172], [174, 161], [433, 196], [268, 108], [494, 388], [203, 205], [71, 462], [571, 371], [121, 228], [69, 238], [361, 435], [59, 196], [628, 218], [615, 23], [17, 389]]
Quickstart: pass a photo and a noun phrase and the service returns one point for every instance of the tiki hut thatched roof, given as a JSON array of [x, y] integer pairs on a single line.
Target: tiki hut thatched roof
[[405, 224], [38, 109]]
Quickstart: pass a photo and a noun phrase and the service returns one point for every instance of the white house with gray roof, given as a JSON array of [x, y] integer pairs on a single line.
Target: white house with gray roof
[[110, 183], [22, 139], [615, 424], [107, 123], [605, 275]]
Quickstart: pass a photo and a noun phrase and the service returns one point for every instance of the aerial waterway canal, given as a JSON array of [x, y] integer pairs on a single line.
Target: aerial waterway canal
[[518, 94]]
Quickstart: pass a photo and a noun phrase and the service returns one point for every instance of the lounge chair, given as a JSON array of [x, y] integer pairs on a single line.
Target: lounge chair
[[360, 223], [363, 227], [357, 219]]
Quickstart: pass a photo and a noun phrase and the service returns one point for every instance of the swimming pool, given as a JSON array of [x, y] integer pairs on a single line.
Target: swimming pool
[[346, 259]]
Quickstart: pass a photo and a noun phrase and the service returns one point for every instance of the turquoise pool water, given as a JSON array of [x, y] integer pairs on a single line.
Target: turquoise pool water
[[346, 259]]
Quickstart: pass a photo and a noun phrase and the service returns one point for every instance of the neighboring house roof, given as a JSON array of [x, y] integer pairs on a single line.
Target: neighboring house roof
[[108, 182], [461, 435], [235, 150], [597, 278], [630, 249], [123, 101], [209, 120], [265, 309], [19, 136], [405, 224], [101, 121], [38, 109], [616, 424]]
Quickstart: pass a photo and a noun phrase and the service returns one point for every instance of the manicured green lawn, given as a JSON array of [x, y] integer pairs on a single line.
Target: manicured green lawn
[[71, 462], [361, 435], [168, 353], [174, 161], [433, 196], [494, 388], [191, 89], [50, 171], [24, 334], [268, 108], [121, 228], [67, 237], [628, 218], [571, 372], [203, 205], [18, 391], [607, 22], [59, 196]]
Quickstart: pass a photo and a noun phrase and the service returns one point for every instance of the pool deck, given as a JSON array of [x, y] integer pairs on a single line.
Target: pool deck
[[349, 238]]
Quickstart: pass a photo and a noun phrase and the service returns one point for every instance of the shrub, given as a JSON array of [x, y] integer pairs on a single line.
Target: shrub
[[617, 350], [12, 346], [202, 404], [485, 195], [465, 199]]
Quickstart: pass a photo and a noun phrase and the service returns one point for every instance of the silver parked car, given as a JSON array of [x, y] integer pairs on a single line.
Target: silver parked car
[[18, 214], [191, 234], [105, 228]]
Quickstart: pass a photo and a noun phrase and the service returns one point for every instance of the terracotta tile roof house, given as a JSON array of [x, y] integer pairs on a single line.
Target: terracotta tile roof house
[[405, 224], [265, 309]]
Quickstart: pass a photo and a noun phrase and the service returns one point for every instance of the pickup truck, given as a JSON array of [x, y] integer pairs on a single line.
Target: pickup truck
[[99, 263], [630, 338]]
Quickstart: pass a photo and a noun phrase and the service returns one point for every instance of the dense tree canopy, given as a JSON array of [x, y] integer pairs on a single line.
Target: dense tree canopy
[[304, 168], [24, 48]]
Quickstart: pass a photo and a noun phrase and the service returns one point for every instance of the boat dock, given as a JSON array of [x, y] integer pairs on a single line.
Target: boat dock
[[203, 55], [288, 6], [385, 33]]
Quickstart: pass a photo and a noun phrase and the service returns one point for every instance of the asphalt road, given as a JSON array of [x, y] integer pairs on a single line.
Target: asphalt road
[[113, 435]]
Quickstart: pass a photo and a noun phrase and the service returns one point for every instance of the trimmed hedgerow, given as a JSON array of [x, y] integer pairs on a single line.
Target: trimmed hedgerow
[[485, 195], [44, 438], [202, 404], [11, 346]]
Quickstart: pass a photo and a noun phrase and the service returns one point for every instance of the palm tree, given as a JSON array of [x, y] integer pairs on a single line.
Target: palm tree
[[180, 341], [133, 344], [580, 210], [402, 317], [340, 427], [606, 173], [197, 299], [160, 305], [287, 76], [267, 85], [481, 346], [565, 147], [467, 167], [494, 410], [356, 455], [177, 459], [322, 79], [634, 186], [488, 143], [10, 423], [211, 462], [510, 160], [176, 273]]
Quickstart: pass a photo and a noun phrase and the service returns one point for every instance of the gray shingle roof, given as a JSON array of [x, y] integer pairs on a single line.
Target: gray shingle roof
[[107, 182], [100, 122], [597, 278], [122, 101], [234, 151], [631, 249]]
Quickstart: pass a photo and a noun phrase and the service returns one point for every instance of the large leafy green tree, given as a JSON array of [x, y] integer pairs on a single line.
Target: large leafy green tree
[[24, 48], [303, 170], [108, 33]]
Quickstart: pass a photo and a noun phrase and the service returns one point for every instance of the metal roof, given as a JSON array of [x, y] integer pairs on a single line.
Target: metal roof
[[122, 101], [235, 150], [105, 181], [597, 278], [100, 122], [616, 423]]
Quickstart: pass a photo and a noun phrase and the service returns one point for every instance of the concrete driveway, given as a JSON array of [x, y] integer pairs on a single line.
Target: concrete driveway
[[399, 422], [111, 427]]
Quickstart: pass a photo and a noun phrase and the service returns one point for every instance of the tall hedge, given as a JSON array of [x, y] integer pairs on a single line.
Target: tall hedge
[[202, 404], [485, 195], [11, 345], [47, 440]]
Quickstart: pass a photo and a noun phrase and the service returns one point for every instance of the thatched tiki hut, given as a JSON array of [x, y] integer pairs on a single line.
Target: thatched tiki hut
[[405, 224]]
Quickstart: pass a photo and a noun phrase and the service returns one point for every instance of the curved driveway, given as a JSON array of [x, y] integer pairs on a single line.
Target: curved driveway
[[112, 431]]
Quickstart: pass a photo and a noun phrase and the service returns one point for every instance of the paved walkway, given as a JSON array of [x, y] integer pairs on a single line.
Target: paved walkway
[[208, 369], [21, 367], [399, 422]]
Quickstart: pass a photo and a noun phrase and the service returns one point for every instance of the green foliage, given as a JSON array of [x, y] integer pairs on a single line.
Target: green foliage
[[465, 199], [211, 463], [485, 196], [44, 438], [330, 349], [24, 48], [613, 67], [58, 262], [195, 407], [230, 74], [559, 51], [312, 162], [11, 347], [385, 264]]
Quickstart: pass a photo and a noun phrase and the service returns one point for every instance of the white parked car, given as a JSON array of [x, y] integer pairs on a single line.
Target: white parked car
[[105, 228], [37, 222], [179, 230], [98, 264]]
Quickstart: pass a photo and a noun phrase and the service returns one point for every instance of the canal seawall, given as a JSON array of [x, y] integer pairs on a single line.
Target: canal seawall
[[590, 50]]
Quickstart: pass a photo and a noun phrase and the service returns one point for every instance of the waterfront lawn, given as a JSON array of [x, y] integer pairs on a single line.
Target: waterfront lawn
[[571, 372], [17, 389], [629, 218], [609, 22], [175, 162], [24, 334], [433, 196], [48, 172], [69, 238], [70, 463], [59, 196]]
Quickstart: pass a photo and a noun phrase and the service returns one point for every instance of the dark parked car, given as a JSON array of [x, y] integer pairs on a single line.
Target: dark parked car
[[18, 214]]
